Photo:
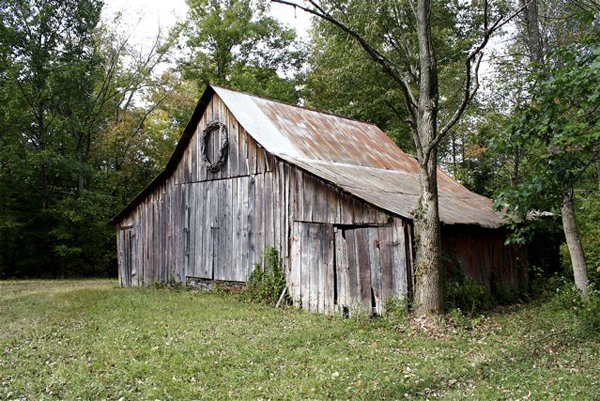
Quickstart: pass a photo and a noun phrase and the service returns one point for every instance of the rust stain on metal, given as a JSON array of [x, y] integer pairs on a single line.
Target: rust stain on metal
[[361, 159]]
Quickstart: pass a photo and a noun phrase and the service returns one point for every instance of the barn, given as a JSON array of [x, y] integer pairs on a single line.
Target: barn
[[334, 196]]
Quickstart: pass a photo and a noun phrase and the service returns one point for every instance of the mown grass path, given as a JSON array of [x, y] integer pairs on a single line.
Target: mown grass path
[[93, 340]]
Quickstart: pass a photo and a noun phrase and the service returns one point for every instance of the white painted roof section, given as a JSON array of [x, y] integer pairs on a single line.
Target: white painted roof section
[[252, 118]]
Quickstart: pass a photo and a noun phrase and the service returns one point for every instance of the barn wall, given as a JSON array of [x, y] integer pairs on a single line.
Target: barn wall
[[481, 253], [216, 225]]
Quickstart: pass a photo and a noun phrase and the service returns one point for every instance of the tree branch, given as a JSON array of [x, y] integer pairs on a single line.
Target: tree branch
[[147, 113], [382, 60], [474, 56]]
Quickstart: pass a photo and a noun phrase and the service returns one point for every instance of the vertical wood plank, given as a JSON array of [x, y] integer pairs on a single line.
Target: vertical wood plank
[[259, 222], [251, 155], [341, 265], [319, 252], [234, 146], [251, 223], [120, 255], [207, 194], [214, 227], [293, 278], [168, 225], [226, 247], [313, 265], [305, 266], [243, 160], [329, 285], [353, 288], [235, 230], [364, 272], [387, 247], [268, 209], [374, 246], [245, 204], [259, 159]]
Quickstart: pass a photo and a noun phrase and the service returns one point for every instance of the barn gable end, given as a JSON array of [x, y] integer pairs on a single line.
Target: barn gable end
[[341, 247]]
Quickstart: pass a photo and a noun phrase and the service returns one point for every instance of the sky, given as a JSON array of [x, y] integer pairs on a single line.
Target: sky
[[143, 17]]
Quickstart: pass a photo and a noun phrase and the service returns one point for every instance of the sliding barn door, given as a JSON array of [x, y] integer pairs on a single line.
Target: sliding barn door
[[370, 268], [311, 280], [347, 269]]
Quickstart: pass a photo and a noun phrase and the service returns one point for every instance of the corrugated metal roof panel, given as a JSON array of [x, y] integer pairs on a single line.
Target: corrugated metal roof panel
[[356, 156], [300, 132]]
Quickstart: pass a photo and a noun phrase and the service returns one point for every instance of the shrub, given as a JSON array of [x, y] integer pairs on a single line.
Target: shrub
[[568, 297], [590, 312], [266, 285], [465, 294]]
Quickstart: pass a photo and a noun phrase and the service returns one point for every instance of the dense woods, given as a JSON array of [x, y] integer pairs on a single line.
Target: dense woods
[[89, 119]]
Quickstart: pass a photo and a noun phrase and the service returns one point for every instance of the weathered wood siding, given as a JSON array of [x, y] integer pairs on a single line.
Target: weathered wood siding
[[482, 254], [208, 225], [347, 269]]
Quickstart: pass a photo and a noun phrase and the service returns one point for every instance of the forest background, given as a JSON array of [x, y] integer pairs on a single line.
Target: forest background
[[89, 118]]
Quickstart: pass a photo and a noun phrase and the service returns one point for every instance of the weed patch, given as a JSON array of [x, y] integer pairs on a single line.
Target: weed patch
[[266, 284]]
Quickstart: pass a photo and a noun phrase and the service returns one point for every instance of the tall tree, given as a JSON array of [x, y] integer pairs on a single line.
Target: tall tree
[[416, 75], [546, 27], [236, 44], [48, 62]]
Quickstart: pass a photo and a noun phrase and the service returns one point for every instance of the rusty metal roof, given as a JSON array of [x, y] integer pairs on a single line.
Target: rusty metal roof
[[353, 155]]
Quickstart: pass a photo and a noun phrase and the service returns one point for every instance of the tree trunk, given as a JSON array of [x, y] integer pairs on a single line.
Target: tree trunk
[[533, 36], [45, 189], [574, 244], [454, 163], [428, 263], [80, 180]]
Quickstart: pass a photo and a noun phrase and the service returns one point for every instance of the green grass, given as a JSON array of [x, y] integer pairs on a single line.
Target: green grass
[[93, 340]]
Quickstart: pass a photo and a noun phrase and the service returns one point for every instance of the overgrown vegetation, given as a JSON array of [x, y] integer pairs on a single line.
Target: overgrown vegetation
[[267, 281], [563, 295], [464, 294], [94, 340]]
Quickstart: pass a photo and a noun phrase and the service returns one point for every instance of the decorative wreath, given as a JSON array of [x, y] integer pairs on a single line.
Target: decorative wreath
[[215, 126]]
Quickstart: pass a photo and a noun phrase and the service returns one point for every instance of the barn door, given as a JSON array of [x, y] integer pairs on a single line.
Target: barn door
[[127, 264], [370, 268], [311, 281]]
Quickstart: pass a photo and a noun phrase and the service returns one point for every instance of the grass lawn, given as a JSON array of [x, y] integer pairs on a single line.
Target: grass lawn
[[93, 340]]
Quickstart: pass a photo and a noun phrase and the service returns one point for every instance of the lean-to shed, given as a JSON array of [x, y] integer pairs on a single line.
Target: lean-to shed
[[334, 196]]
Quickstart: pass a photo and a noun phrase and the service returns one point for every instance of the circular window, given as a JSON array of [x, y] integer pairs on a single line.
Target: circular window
[[210, 128]]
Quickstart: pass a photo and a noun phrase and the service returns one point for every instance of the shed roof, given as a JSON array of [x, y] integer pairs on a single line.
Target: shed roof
[[356, 156]]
